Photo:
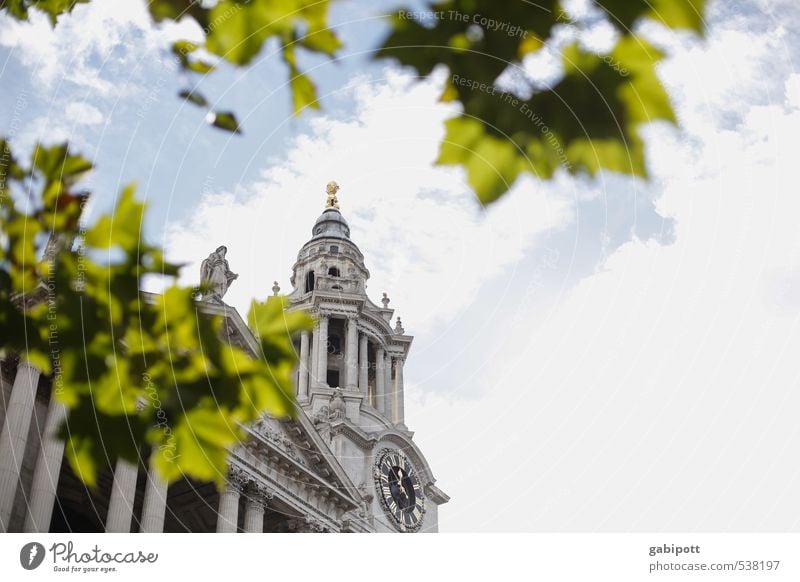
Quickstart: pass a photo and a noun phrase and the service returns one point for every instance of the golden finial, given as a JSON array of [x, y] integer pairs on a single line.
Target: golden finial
[[332, 188]]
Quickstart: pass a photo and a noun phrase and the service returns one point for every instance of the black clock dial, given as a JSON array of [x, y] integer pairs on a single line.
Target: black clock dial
[[400, 490]]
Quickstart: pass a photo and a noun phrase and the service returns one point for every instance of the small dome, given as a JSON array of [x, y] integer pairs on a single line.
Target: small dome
[[331, 224]]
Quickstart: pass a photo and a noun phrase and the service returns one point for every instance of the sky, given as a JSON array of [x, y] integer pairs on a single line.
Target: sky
[[600, 354]]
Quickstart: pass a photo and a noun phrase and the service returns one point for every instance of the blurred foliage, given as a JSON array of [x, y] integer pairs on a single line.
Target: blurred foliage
[[584, 121], [587, 120], [134, 370]]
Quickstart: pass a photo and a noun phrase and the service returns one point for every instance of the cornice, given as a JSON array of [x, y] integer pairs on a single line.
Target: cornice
[[263, 442]]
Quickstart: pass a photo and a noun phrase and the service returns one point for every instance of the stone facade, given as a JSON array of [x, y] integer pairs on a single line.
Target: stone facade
[[347, 463]]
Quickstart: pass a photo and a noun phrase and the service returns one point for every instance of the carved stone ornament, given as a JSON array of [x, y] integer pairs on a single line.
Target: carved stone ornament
[[322, 415], [237, 479], [306, 524], [258, 493], [286, 445], [337, 410]]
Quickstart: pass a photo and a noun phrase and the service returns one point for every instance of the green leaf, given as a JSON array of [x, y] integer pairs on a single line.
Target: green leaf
[[679, 14], [202, 439], [114, 393], [201, 67], [193, 97], [81, 454], [492, 164], [22, 231], [270, 318], [323, 41], [270, 392], [319, 37], [181, 48], [40, 359], [16, 8], [227, 121], [304, 93], [55, 8], [645, 98], [9, 167], [241, 29], [610, 154], [161, 10], [60, 170], [122, 228], [177, 317]]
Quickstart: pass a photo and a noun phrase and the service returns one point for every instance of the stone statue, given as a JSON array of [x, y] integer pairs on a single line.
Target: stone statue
[[216, 275], [332, 188], [337, 410]]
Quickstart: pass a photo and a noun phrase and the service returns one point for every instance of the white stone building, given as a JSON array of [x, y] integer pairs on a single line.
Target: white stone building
[[347, 463]]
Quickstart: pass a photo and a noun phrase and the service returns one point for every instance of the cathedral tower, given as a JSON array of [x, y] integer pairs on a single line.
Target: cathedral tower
[[350, 378]]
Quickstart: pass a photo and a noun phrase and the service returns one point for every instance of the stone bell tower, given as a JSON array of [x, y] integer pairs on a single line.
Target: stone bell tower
[[350, 379], [353, 347]]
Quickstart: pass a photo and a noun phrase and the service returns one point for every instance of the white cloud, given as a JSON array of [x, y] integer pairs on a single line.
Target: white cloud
[[86, 44], [82, 113], [661, 393], [51, 129], [426, 241]]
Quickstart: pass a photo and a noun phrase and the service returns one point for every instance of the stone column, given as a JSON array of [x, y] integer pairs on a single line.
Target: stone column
[[228, 516], [14, 436], [257, 498], [351, 353], [380, 379], [313, 372], [322, 372], [399, 394], [363, 365], [302, 379], [47, 471], [155, 500], [123, 491], [388, 394]]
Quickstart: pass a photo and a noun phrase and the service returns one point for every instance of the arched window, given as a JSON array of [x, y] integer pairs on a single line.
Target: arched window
[[334, 272], [309, 281]]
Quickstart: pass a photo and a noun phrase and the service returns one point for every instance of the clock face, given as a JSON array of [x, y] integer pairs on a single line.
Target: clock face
[[399, 490]]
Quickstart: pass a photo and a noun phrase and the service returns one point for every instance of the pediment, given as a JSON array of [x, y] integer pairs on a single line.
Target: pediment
[[296, 445]]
